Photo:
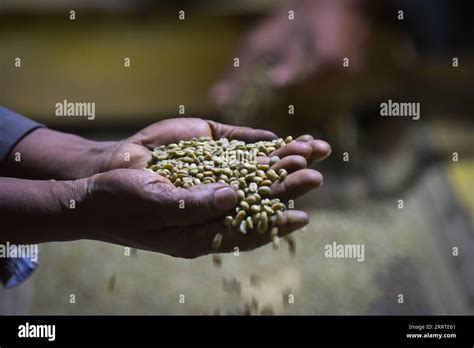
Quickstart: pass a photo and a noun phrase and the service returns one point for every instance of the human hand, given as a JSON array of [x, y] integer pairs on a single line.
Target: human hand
[[322, 33], [49, 154], [143, 210], [135, 151], [156, 220]]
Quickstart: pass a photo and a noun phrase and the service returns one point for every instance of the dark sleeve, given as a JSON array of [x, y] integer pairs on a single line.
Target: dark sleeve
[[15, 270], [13, 128]]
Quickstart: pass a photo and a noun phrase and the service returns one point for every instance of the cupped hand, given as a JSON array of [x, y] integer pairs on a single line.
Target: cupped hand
[[146, 211], [135, 151], [143, 210], [296, 157]]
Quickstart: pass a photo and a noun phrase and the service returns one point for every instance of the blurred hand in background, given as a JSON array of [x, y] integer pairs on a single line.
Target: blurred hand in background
[[322, 34]]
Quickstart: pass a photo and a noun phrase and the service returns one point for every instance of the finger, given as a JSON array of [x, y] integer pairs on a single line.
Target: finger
[[320, 151], [294, 148], [198, 204], [305, 138], [200, 239], [247, 134], [313, 150], [297, 184], [289, 221], [290, 163]]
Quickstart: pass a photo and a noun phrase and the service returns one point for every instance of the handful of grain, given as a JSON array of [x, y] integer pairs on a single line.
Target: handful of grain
[[234, 162]]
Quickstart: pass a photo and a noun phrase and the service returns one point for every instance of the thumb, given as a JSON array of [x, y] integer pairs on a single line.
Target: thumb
[[201, 203]]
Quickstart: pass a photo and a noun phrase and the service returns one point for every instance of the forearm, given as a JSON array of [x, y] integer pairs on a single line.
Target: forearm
[[48, 154], [39, 211]]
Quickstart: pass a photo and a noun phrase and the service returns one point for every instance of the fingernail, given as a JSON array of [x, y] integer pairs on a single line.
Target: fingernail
[[225, 198]]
